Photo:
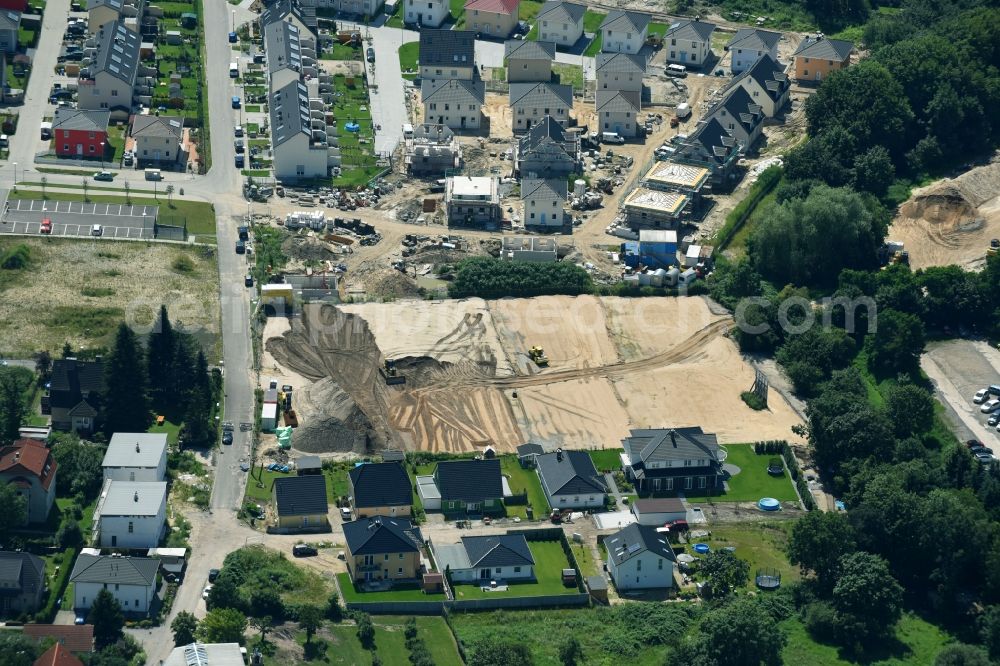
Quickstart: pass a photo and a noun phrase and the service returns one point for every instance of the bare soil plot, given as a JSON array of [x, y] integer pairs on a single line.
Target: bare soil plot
[[578, 414]]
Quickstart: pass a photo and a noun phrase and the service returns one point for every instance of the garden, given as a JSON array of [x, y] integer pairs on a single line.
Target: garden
[[550, 560]]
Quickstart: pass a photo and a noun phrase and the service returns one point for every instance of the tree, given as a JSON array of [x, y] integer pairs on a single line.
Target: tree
[[989, 630], [224, 593], [184, 627], [170, 195], [812, 356], [80, 467], [910, 409], [12, 405], [43, 364], [725, 572], [107, 617], [493, 651], [266, 601], [67, 350], [126, 401], [571, 652], [261, 624], [69, 534], [741, 633], [334, 611], [366, 631], [874, 171], [897, 343], [817, 543], [222, 625], [161, 349], [15, 508], [867, 599], [310, 619], [960, 654], [86, 184], [16, 649]]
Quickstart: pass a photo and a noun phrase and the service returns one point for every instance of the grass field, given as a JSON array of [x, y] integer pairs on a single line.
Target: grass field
[[351, 593], [607, 460], [761, 544], [591, 23], [261, 493], [753, 482], [409, 55], [550, 560], [457, 8], [917, 644], [343, 52], [569, 75], [524, 479]]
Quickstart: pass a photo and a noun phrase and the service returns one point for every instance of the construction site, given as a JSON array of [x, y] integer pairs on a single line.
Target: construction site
[[456, 376]]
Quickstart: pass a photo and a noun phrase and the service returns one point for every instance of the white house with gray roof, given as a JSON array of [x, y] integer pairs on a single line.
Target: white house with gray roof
[[131, 514], [570, 480], [292, 11], [206, 654], [130, 580], [291, 53], [688, 42], [560, 22], [543, 200], [618, 111], [531, 102], [740, 115], [99, 12], [455, 103], [767, 83], [640, 558], [136, 456], [528, 60], [748, 45], [159, 140], [114, 76], [425, 13], [500, 557], [299, 136], [624, 31], [620, 71]]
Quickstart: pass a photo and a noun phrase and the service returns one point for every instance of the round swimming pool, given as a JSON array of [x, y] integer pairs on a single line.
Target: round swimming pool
[[701, 548], [769, 504]]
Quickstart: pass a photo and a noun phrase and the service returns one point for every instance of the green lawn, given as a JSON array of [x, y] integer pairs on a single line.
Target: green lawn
[[738, 243], [261, 493], [585, 559], [433, 630], [252, 108], [396, 20], [356, 176], [761, 544], [753, 482], [569, 75], [524, 479], [351, 593], [607, 460], [529, 9], [591, 23], [550, 560], [409, 55], [168, 427], [457, 8], [917, 644], [343, 52]]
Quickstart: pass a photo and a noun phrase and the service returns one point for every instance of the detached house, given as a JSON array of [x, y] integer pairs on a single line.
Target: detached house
[[620, 71], [454, 103], [79, 133], [429, 13], [382, 548], [543, 202], [130, 580], [817, 57], [711, 146], [57, 655], [624, 31], [688, 42], [473, 201], [159, 140], [380, 489], [547, 151], [639, 558], [492, 18], [136, 456], [100, 12], [110, 81], [131, 515], [432, 150], [528, 60], [618, 111], [740, 116], [30, 467], [22, 581], [768, 84], [75, 393], [300, 503], [570, 480], [463, 486], [447, 54], [530, 103], [748, 45], [673, 460], [560, 22], [502, 557]]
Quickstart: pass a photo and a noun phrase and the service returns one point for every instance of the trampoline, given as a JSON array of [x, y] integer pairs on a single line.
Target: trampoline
[[768, 579], [701, 548], [352, 127], [769, 504]]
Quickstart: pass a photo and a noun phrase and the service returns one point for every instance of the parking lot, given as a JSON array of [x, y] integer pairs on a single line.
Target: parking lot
[[958, 369], [73, 218]]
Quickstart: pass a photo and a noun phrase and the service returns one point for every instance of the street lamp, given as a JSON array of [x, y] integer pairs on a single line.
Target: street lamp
[[234, 20], [15, 176], [102, 156]]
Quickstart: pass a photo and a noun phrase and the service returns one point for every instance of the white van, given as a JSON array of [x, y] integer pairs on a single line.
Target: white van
[[153, 174], [612, 137], [234, 70], [679, 71]]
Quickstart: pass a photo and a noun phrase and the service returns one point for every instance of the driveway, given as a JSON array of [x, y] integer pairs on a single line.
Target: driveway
[[388, 98], [958, 369]]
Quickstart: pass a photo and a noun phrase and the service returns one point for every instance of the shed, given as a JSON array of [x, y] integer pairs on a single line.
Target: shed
[[269, 417], [430, 496], [189, 20], [526, 454], [658, 511], [309, 465], [171, 559], [391, 455], [433, 582], [173, 36], [598, 586], [692, 256]]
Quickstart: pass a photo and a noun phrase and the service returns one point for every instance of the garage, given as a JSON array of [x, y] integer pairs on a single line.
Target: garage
[[658, 511]]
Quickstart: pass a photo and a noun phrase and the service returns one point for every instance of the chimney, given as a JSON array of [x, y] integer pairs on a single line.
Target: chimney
[[135, 498], [559, 454], [673, 437], [137, 447]]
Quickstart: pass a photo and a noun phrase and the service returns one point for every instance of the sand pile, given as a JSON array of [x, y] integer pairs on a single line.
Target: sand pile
[[306, 248], [332, 421], [389, 284]]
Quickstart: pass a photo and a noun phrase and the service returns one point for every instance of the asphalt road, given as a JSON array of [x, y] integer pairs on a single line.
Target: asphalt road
[[388, 101]]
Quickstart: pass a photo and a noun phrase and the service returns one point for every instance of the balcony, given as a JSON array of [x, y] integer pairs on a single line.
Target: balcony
[[366, 568]]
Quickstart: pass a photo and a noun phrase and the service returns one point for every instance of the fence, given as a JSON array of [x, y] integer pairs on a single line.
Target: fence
[[439, 607], [170, 232]]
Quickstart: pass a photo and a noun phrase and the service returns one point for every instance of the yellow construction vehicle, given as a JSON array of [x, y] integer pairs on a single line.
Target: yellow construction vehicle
[[537, 354], [391, 374], [994, 246]]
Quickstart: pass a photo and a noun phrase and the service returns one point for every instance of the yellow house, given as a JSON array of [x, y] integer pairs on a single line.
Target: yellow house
[[382, 549], [299, 503], [818, 57], [380, 489]]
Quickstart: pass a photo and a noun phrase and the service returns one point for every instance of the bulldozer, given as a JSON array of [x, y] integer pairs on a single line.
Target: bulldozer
[[994, 246], [537, 354], [391, 374]]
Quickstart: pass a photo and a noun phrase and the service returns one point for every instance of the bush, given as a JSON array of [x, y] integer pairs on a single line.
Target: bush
[[183, 264], [753, 400], [820, 621], [492, 278], [15, 259]]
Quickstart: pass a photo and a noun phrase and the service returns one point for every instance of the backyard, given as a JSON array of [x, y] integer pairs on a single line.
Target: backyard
[[521, 479], [356, 147], [753, 481], [607, 460], [353, 594], [550, 560], [761, 544], [409, 55], [568, 75]]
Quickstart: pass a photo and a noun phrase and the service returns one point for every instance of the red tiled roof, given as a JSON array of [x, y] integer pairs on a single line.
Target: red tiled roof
[[58, 655], [28, 455], [495, 6], [76, 637]]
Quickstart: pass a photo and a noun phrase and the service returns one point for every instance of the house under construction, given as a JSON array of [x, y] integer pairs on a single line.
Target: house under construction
[[432, 150], [646, 208]]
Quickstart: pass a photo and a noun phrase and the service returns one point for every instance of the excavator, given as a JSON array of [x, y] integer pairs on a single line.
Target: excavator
[[391, 374], [537, 354]]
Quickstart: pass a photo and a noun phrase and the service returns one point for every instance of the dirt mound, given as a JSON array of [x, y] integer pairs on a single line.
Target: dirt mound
[[390, 284], [307, 248], [332, 421]]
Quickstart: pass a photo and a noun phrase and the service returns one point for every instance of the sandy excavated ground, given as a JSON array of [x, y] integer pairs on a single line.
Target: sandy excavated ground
[[952, 220], [614, 364]]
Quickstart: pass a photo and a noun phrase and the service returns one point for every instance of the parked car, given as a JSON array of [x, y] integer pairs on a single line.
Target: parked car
[[244, 232], [232, 38], [994, 419], [97, 230], [248, 280], [212, 575], [227, 437], [236, 102], [204, 593], [81, 617], [981, 396], [128, 157], [985, 458], [302, 550], [238, 131], [238, 144], [46, 227], [240, 161], [241, 247], [990, 405], [978, 449], [104, 175], [345, 513], [370, 54], [973, 442]]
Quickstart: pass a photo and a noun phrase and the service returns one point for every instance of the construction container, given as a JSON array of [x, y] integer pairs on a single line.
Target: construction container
[[270, 396], [269, 417]]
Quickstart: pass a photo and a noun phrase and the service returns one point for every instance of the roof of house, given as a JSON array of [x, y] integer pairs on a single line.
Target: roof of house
[[9, 19], [282, 44], [29, 456], [769, 75], [698, 31], [545, 131], [289, 111], [636, 539], [131, 498], [117, 53], [376, 535], [617, 101], [525, 49], [469, 480], [625, 20], [620, 63], [114, 569], [659, 505], [113, 4], [381, 484], [453, 91], [300, 495], [495, 6], [161, 127], [573, 11], [569, 473], [529, 449], [280, 10], [739, 105], [58, 655], [712, 140], [66, 118], [206, 654], [499, 550], [76, 637], [753, 39], [447, 47], [542, 188], [308, 462], [135, 449], [72, 381], [663, 444], [541, 95], [22, 571], [822, 47]]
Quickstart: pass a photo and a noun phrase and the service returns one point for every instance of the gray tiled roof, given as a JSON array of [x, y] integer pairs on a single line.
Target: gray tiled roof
[[753, 39], [73, 381], [289, 111], [300, 495], [571, 10], [546, 130], [453, 91], [663, 444], [113, 4], [108, 569], [824, 48], [695, 31], [524, 49], [21, 571], [282, 44], [740, 106], [131, 498], [165, 127], [9, 19], [636, 539], [280, 10], [469, 480], [117, 53], [617, 101], [620, 63], [447, 47], [624, 20], [712, 141], [569, 472], [381, 484], [769, 74], [66, 118], [135, 449], [541, 95], [542, 188], [502, 550], [529, 449], [374, 536]]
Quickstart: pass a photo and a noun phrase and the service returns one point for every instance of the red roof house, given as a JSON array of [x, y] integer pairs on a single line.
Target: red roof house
[[495, 18], [74, 637], [58, 655], [29, 465]]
